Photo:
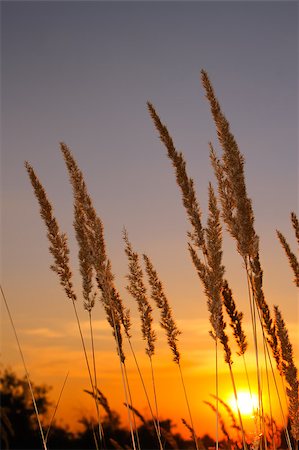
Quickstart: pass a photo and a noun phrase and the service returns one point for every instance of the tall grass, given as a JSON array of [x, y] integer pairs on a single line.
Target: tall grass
[[232, 207]]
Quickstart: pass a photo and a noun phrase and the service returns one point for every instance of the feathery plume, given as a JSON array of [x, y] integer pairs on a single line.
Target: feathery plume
[[229, 412], [93, 224], [221, 421], [211, 273], [136, 412], [137, 289], [237, 209], [231, 180], [257, 286], [295, 224], [85, 261], [290, 372], [235, 317], [58, 241], [192, 432], [103, 401], [293, 261], [184, 182], [167, 322], [82, 204], [91, 234]]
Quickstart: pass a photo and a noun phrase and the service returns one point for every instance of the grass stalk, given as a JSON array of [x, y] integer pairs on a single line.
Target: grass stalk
[[269, 396], [188, 405], [146, 394], [127, 403], [250, 392], [122, 369], [284, 420], [217, 393], [155, 395], [56, 407], [132, 409], [86, 360], [25, 368], [101, 431], [238, 409], [255, 338]]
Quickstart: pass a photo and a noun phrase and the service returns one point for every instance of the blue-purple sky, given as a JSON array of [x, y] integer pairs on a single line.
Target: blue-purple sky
[[81, 72]]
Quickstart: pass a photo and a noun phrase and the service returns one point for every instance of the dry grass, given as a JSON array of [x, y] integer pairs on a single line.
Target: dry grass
[[293, 260], [234, 208]]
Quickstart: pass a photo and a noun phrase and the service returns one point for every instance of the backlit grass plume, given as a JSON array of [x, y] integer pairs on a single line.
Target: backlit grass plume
[[103, 401], [60, 251], [167, 321], [290, 372], [237, 209], [184, 182], [236, 206], [235, 316], [91, 233], [211, 272], [84, 215], [207, 241], [293, 260], [58, 241], [137, 289], [295, 224]]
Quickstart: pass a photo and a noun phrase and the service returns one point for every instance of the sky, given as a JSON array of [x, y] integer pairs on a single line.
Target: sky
[[81, 72]]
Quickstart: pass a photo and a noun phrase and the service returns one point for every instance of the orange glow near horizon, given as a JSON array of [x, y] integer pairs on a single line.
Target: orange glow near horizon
[[60, 352]]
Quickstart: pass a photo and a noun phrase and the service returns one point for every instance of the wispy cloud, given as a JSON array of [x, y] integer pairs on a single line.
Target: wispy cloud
[[42, 332]]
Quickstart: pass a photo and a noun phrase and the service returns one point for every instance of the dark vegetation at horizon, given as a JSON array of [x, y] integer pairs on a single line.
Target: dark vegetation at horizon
[[19, 429]]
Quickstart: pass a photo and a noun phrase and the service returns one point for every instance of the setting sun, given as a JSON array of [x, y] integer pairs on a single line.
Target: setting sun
[[248, 403]]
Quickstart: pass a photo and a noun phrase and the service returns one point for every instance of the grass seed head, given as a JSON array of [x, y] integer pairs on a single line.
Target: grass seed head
[[58, 241]]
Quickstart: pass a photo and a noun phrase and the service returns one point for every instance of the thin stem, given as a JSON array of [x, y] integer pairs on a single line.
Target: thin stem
[[275, 382], [56, 407], [85, 354], [101, 432], [25, 368], [188, 406], [127, 403], [254, 329], [217, 396], [238, 409], [123, 379], [250, 393], [95, 437], [131, 403], [146, 394], [277, 391], [155, 394], [269, 398]]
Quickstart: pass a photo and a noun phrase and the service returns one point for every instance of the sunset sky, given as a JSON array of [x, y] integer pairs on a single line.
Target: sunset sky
[[82, 72]]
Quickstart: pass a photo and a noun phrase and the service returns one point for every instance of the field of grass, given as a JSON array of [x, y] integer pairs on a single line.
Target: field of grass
[[230, 211]]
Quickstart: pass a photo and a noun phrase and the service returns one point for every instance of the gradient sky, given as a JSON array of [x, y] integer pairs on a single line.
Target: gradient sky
[[81, 72]]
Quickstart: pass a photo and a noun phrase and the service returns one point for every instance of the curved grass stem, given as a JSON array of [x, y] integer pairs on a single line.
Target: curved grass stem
[[25, 368], [146, 394], [188, 406]]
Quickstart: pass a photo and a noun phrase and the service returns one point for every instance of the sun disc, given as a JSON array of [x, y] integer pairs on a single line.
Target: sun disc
[[248, 403]]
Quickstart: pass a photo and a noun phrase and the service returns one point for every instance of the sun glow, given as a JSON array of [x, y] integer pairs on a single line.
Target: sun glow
[[248, 403]]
